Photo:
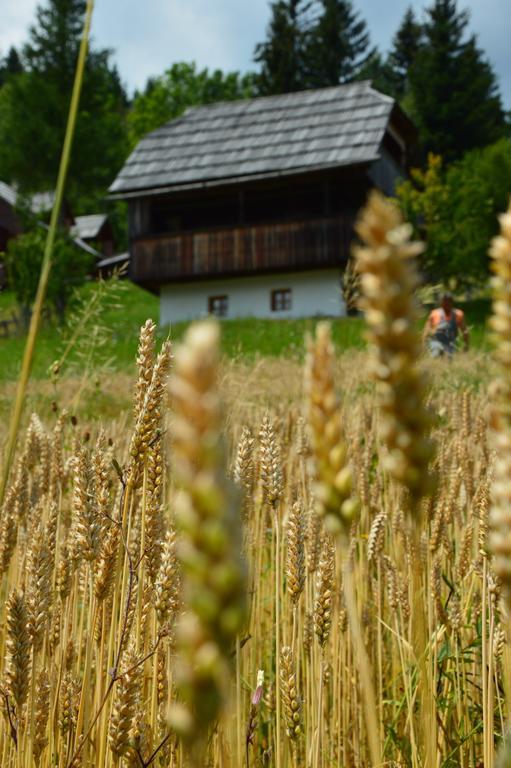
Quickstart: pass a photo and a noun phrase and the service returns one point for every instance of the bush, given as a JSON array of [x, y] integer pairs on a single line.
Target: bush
[[455, 210], [23, 261]]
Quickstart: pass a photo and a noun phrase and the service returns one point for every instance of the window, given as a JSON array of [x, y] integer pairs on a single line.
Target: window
[[218, 306], [281, 300]]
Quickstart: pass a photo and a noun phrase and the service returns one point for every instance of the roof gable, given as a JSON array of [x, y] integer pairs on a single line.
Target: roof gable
[[295, 132], [88, 227], [7, 193]]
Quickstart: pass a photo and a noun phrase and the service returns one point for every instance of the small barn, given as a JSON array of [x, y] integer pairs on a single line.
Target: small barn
[[95, 230], [247, 208]]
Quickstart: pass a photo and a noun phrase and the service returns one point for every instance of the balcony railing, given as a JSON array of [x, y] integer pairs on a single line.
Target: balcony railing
[[241, 250]]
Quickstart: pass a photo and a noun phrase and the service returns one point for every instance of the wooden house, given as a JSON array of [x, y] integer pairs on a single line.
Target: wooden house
[[247, 208]]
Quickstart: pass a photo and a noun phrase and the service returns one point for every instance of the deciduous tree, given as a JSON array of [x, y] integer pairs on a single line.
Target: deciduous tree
[[455, 209], [23, 263], [182, 86]]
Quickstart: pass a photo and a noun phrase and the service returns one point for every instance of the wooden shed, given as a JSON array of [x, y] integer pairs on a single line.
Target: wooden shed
[[247, 208]]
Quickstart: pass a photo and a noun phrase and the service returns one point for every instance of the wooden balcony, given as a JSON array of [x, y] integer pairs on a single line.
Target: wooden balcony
[[245, 250]]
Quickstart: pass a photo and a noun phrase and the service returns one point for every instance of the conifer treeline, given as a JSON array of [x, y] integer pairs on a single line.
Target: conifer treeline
[[435, 66], [435, 69]]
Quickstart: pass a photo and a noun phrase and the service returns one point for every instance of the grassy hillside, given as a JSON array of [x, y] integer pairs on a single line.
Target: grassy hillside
[[109, 336]]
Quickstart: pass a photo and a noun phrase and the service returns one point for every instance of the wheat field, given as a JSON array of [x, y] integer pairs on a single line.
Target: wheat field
[[269, 564]]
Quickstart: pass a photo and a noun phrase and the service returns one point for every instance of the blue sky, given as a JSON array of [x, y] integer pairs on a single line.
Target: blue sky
[[148, 36]]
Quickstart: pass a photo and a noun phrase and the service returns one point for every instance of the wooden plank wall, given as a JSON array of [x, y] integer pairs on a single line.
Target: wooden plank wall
[[261, 248]]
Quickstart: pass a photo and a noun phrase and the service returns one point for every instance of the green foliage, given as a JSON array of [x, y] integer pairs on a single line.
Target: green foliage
[[85, 347], [456, 210], [457, 106], [378, 70], [23, 263], [54, 37], [34, 107], [117, 211], [406, 45], [311, 44], [424, 200], [281, 55], [434, 69], [442, 80], [479, 188], [183, 86], [337, 45], [317, 43], [10, 65]]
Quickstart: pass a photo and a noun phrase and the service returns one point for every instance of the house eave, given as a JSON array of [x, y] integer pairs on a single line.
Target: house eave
[[236, 180]]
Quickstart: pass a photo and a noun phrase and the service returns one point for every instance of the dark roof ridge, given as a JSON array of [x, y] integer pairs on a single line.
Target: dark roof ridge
[[244, 104]]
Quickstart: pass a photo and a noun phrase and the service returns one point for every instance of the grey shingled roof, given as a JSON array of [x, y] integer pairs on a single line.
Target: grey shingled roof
[[112, 261], [8, 193], [88, 227], [338, 126]]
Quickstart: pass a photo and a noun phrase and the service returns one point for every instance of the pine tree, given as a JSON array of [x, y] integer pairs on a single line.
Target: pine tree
[[35, 106], [455, 94], [338, 45], [281, 55], [11, 65], [378, 70], [406, 45], [54, 40]]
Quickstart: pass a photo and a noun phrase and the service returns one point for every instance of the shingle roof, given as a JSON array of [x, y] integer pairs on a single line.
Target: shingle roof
[[7, 193], [112, 261], [342, 125], [88, 227]]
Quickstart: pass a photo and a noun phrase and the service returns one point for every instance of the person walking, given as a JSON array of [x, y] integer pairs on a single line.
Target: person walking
[[443, 326]]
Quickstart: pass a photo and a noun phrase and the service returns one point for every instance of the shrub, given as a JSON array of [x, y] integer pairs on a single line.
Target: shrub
[[23, 263], [455, 210]]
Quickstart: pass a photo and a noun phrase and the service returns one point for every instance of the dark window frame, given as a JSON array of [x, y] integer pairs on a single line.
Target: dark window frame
[[218, 305], [281, 300]]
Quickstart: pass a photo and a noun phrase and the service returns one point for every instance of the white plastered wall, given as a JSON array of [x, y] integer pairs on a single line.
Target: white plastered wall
[[313, 293]]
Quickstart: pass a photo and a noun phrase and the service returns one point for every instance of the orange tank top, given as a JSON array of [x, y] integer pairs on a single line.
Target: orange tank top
[[439, 315]]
